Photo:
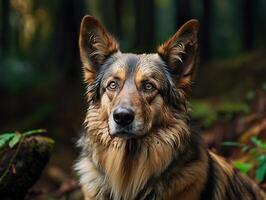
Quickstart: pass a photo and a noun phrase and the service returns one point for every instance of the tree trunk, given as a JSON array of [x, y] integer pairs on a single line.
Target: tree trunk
[[144, 24], [67, 23], [118, 15], [183, 11], [4, 39], [111, 15], [205, 36], [247, 24]]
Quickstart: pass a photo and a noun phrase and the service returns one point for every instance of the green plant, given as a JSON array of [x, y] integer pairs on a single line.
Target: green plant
[[13, 138], [256, 161], [204, 112], [209, 112]]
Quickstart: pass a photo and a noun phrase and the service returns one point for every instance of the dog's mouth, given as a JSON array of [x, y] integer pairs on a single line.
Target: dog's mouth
[[123, 135]]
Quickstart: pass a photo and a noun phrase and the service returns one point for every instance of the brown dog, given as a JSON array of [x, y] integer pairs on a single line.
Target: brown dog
[[138, 143]]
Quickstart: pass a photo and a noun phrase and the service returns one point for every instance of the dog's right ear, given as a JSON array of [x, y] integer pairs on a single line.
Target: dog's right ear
[[95, 45]]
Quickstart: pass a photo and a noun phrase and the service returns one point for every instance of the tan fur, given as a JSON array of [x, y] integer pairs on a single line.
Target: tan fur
[[192, 181]]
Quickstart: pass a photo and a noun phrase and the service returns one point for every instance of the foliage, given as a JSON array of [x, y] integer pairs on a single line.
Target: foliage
[[243, 167], [204, 112], [256, 151], [209, 112], [14, 138]]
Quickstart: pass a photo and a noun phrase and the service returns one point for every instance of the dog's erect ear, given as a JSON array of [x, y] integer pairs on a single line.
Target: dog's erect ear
[[180, 52], [96, 45]]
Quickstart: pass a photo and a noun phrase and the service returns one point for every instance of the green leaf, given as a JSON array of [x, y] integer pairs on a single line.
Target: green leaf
[[6, 134], [263, 145], [233, 144], [32, 132], [261, 171], [255, 141], [231, 107], [253, 151], [17, 137], [5, 138], [204, 112], [245, 148], [261, 159], [243, 167]]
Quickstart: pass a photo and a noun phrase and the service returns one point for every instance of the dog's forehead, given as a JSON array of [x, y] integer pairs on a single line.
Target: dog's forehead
[[132, 63]]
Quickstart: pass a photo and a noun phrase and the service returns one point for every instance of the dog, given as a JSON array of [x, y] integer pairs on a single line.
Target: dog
[[138, 144]]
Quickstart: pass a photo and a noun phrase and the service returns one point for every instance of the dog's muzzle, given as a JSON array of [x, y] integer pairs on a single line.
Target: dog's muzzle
[[123, 118]]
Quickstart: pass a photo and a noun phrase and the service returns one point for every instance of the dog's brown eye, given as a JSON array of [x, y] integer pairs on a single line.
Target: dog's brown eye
[[148, 87], [112, 85]]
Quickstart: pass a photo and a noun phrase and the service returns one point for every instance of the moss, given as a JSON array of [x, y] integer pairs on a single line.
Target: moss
[[31, 158], [40, 147]]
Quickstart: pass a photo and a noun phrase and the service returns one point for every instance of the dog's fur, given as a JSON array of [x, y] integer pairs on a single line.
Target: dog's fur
[[158, 156]]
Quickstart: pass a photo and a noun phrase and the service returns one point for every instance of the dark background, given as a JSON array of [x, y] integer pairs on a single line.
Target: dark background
[[40, 71]]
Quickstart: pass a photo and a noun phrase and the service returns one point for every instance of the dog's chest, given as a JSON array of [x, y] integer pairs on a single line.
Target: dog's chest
[[100, 188]]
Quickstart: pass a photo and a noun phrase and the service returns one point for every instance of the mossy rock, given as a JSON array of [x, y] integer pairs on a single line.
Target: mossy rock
[[26, 168]]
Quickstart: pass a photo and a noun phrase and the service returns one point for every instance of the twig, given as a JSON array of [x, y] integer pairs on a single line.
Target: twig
[[11, 160]]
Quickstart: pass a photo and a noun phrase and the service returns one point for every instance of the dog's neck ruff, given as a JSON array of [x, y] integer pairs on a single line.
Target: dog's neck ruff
[[129, 164]]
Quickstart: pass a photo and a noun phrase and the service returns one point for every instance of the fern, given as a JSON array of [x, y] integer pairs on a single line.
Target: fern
[[13, 138], [256, 157]]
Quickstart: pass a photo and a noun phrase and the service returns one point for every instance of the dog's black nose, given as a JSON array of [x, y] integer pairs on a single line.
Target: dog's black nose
[[123, 116]]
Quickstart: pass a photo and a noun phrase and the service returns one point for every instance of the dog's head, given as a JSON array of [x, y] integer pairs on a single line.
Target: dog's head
[[137, 93]]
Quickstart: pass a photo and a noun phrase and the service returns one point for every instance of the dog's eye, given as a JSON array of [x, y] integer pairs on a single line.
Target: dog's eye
[[112, 85], [148, 86]]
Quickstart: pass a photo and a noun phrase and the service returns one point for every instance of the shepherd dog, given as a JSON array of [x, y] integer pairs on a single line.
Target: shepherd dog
[[138, 143]]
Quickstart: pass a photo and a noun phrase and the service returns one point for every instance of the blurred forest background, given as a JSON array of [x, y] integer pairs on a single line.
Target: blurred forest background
[[41, 82]]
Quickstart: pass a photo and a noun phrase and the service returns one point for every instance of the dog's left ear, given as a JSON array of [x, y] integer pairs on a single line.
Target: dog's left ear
[[180, 52]]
